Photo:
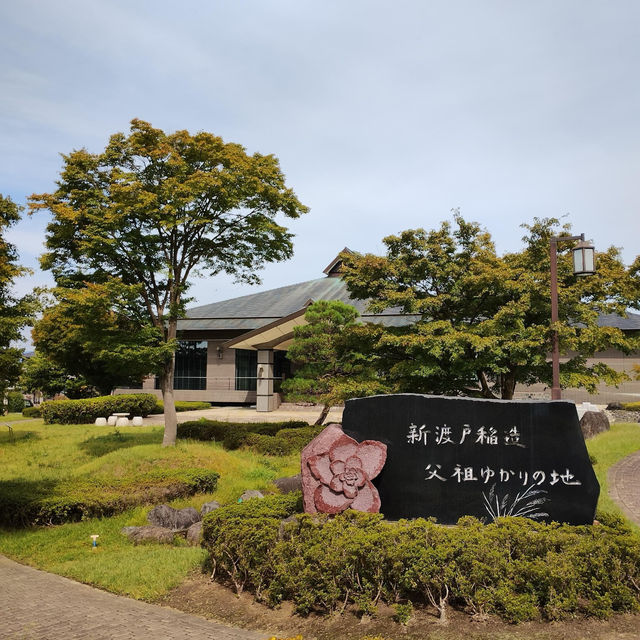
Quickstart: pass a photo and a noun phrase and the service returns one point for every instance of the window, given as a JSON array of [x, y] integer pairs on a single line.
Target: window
[[191, 365], [246, 369], [247, 365]]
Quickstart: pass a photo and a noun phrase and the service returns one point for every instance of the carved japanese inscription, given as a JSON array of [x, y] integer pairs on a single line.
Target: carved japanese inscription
[[337, 472], [450, 457]]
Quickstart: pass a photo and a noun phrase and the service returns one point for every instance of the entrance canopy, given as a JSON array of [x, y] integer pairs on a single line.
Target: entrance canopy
[[276, 335]]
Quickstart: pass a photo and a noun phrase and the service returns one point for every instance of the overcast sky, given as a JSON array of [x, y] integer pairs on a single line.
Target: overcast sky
[[384, 115]]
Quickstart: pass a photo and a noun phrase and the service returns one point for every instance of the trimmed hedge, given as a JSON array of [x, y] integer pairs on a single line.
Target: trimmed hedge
[[32, 412], [183, 405], [515, 568], [87, 410], [270, 438], [23, 503]]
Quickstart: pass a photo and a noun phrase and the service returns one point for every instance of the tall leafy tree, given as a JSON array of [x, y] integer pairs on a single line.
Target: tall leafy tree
[[332, 368], [482, 321], [98, 333], [15, 312], [154, 209]]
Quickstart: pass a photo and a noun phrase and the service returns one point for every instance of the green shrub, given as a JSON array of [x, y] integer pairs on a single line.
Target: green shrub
[[270, 438], [23, 503], [183, 405], [515, 568], [631, 406], [285, 441], [31, 412], [15, 402], [87, 410]]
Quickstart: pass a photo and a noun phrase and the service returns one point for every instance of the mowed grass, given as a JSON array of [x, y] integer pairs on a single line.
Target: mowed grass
[[13, 417], [620, 441], [49, 454]]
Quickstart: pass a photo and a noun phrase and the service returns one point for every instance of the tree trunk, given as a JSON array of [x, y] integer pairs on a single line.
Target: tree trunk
[[484, 385], [166, 384], [508, 385], [323, 415]]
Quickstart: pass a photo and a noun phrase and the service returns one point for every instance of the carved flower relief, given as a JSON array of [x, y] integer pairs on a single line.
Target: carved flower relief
[[345, 473]]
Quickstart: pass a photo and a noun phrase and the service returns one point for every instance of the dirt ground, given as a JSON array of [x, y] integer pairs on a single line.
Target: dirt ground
[[200, 596]]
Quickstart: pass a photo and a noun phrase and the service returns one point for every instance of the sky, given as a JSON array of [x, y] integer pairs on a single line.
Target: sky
[[384, 115]]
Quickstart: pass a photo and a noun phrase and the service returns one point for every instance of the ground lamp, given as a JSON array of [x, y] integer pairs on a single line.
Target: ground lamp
[[584, 264]]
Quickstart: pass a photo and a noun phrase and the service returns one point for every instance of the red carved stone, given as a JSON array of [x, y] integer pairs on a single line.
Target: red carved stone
[[337, 472]]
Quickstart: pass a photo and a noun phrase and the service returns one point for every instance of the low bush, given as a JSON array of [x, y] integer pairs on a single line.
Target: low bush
[[15, 402], [284, 442], [631, 406], [515, 568], [87, 410], [23, 503], [183, 405], [32, 412], [270, 438]]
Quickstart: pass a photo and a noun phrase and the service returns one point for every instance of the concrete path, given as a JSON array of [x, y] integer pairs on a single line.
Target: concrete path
[[624, 485], [248, 414], [41, 606]]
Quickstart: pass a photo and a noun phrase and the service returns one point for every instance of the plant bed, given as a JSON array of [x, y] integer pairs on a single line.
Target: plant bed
[[268, 438], [513, 568]]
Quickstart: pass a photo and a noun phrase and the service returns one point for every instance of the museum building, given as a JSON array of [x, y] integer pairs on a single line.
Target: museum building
[[234, 351]]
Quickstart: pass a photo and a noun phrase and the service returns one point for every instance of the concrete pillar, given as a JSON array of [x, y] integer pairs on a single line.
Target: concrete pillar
[[265, 398]]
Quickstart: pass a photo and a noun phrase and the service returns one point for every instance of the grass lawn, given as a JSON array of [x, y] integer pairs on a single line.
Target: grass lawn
[[61, 454], [607, 448], [13, 417], [67, 455]]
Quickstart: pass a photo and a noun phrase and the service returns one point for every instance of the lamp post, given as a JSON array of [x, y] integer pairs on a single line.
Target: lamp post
[[584, 264]]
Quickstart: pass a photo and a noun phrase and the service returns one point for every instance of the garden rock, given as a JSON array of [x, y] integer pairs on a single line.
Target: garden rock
[[593, 423], [208, 507], [194, 534], [148, 533], [289, 484], [251, 493], [175, 519]]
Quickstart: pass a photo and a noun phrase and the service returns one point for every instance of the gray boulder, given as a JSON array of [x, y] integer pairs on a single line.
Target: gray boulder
[[208, 507], [194, 534], [593, 422], [289, 484], [148, 533], [175, 519], [251, 493]]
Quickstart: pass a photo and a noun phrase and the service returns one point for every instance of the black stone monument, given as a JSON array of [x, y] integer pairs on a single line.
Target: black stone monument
[[451, 457]]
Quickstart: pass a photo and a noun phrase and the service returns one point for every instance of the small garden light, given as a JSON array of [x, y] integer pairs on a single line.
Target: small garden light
[[94, 544]]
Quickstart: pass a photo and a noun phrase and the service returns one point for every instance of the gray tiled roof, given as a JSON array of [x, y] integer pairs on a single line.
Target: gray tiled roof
[[259, 309], [631, 322]]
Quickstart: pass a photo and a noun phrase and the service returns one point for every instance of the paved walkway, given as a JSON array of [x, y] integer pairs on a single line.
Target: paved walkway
[[247, 414], [624, 485], [41, 606]]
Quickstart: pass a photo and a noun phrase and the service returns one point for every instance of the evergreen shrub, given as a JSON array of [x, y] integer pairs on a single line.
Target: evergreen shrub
[[45, 503], [15, 402], [87, 410], [514, 567], [631, 406], [31, 412], [183, 405], [269, 438]]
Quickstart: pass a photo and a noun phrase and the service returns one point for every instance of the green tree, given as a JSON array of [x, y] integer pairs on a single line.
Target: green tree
[[482, 321], [40, 374], [98, 335], [154, 209], [332, 369], [15, 313]]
